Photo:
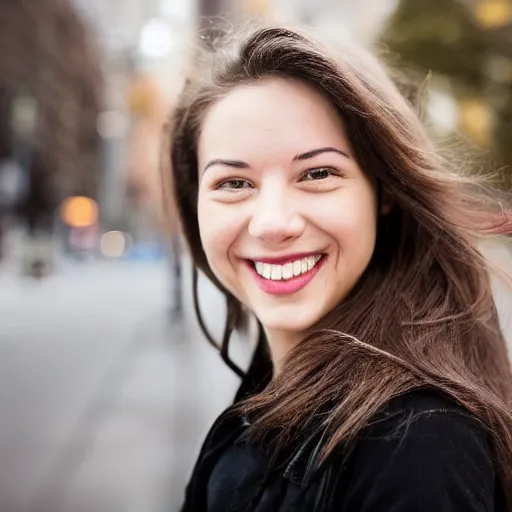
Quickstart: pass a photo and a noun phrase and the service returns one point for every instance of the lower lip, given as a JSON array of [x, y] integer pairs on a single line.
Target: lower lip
[[288, 287]]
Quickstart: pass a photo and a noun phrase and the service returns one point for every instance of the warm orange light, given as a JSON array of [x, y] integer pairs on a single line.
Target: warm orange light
[[476, 119], [256, 7], [494, 13], [143, 96], [79, 212]]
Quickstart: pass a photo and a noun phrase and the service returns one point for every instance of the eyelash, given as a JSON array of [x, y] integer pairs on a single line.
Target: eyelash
[[222, 184], [330, 172]]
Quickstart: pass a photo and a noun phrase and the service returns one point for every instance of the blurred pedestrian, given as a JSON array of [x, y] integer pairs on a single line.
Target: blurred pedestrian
[[311, 195], [172, 233], [175, 261]]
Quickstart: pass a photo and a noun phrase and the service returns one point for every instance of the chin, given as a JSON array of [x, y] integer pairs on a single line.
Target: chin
[[283, 323]]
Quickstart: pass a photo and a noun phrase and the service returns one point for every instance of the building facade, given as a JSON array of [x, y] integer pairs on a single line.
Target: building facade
[[50, 96]]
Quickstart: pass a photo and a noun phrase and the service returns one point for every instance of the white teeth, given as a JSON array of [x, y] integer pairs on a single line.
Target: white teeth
[[277, 272], [288, 270]]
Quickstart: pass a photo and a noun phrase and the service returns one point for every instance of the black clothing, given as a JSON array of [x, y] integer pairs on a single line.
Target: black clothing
[[423, 453]]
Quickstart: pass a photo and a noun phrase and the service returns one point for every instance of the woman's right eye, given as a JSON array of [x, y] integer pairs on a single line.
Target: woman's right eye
[[234, 184]]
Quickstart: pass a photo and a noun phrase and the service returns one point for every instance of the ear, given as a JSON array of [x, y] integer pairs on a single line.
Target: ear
[[386, 202]]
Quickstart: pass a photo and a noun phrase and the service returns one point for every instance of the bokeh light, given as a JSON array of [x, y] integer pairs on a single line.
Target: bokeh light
[[114, 244], [79, 212]]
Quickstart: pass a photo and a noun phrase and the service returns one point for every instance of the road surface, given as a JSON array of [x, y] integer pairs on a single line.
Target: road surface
[[103, 400]]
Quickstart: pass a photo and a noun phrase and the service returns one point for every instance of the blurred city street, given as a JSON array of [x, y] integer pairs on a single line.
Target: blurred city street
[[105, 395], [103, 399]]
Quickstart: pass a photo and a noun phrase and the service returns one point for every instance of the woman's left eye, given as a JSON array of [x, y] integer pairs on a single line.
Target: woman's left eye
[[233, 184], [318, 174]]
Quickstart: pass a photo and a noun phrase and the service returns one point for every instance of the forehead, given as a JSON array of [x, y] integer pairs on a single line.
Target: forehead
[[272, 116]]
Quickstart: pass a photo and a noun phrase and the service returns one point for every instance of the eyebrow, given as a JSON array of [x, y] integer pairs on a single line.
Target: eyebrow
[[239, 164], [319, 151]]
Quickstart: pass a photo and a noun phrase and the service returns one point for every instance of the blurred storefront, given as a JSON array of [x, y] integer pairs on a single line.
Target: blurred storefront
[[50, 89], [83, 95], [144, 50], [50, 96]]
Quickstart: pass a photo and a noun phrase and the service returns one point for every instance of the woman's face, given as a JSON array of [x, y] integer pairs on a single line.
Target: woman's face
[[287, 218]]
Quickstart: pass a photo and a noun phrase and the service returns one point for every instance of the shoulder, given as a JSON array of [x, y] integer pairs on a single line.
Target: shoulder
[[412, 412], [423, 449], [425, 425]]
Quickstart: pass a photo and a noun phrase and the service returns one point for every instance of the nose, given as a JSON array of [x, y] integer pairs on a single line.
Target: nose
[[276, 217]]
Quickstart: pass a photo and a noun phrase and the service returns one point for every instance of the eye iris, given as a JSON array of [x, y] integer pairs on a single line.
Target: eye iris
[[320, 174]]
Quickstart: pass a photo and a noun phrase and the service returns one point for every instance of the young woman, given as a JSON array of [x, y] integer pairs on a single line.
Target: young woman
[[310, 194]]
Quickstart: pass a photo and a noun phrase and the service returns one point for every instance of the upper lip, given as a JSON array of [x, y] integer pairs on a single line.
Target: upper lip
[[280, 260]]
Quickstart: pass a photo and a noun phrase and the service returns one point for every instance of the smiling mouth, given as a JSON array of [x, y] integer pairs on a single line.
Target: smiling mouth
[[288, 270]]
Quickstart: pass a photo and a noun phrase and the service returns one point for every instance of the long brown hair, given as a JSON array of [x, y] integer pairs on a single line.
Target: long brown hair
[[423, 314]]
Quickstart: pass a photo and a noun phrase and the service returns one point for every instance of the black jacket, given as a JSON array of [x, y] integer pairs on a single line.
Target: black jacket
[[423, 453]]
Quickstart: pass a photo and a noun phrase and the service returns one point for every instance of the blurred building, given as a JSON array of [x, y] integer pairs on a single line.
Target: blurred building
[[144, 48], [50, 96], [357, 19]]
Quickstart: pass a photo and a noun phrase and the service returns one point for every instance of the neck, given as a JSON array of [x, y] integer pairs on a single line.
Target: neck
[[280, 344]]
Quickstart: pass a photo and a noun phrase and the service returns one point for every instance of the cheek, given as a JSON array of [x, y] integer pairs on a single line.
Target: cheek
[[353, 223], [218, 232]]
